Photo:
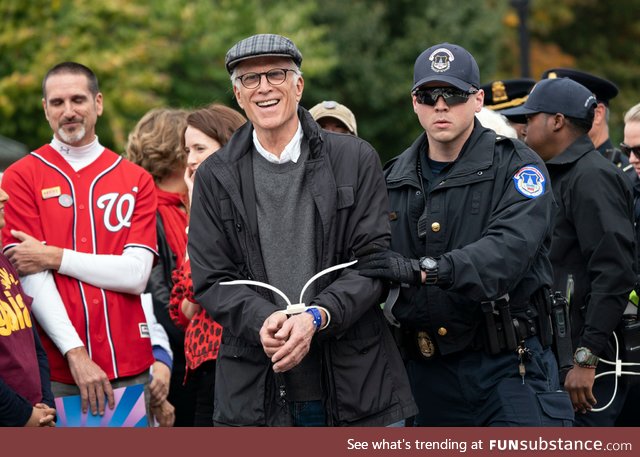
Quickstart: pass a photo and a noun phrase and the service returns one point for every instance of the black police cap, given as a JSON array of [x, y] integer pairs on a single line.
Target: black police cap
[[508, 93], [557, 95], [603, 89]]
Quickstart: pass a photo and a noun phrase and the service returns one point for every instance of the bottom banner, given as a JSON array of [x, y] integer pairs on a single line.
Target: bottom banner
[[325, 442]]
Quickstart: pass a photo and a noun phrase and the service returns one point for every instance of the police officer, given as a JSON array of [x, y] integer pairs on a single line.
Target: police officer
[[604, 91], [470, 215], [631, 146], [500, 95], [592, 249], [629, 416]]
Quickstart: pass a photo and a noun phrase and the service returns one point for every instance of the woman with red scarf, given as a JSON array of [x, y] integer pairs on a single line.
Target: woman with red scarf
[[155, 145], [207, 131]]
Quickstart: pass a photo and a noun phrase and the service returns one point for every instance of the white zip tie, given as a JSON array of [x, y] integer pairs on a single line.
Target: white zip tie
[[618, 372], [296, 308]]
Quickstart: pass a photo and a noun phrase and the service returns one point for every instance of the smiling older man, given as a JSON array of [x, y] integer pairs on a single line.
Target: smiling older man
[[280, 202]]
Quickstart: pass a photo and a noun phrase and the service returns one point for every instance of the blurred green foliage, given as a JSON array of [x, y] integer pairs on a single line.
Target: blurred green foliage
[[361, 53]]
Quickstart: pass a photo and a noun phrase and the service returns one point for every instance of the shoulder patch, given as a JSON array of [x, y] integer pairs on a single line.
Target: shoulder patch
[[529, 181]]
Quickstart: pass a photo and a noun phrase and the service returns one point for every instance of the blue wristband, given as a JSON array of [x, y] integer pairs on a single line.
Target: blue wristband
[[317, 317]]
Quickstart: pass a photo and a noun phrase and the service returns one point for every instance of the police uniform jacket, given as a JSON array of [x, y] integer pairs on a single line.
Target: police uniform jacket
[[612, 153], [363, 376], [636, 218], [488, 216], [593, 241]]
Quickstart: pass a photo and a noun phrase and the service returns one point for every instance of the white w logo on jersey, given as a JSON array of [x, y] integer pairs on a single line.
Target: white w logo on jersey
[[122, 204]]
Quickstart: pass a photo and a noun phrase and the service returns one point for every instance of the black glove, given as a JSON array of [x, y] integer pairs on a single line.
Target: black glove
[[387, 264]]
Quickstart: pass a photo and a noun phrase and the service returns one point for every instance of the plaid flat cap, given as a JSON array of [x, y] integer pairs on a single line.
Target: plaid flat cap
[[260, 46]]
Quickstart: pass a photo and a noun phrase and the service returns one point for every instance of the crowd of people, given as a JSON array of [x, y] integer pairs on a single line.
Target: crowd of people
[[265, 269]]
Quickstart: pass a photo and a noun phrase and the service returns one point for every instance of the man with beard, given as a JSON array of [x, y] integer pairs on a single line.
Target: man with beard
[[81, 232]]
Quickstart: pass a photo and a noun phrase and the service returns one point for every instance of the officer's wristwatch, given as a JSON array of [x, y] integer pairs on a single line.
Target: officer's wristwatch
[[583, 357], [430, 266]]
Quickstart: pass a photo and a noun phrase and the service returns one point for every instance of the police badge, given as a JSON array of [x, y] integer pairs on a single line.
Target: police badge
[[441, 60], [425, 345]]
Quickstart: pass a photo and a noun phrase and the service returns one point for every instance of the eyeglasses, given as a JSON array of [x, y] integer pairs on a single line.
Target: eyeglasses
[[274, 77], [626, 150], [452, 96]]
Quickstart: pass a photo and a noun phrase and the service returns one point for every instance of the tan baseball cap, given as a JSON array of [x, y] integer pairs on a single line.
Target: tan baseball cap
[[337, 111]]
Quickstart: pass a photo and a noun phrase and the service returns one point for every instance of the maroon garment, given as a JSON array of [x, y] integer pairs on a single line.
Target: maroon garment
[[18, 360]]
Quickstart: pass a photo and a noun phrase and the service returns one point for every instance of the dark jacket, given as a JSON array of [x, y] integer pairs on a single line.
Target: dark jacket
[[494, 238], [593, 241], [636, 218], [159, 286], [181, 395], [363, 377], [615, 155]]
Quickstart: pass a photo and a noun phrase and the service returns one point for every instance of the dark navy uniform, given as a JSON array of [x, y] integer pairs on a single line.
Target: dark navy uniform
[[619, 159], [488, 222], [629, 416], [593, 253]]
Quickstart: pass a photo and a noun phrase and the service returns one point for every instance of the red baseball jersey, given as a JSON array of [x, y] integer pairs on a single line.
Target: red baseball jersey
[[102, 208]]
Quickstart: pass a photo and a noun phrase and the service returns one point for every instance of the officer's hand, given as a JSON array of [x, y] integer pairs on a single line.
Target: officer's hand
[[578, 384], [387, 264]]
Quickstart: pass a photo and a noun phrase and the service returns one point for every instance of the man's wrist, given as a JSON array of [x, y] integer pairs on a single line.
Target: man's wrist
[[317, 317], [324, 314], [429, 270], [75, 352], [584, 358], [55, 257]]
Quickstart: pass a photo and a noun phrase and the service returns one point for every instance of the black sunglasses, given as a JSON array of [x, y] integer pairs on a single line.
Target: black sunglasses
[[452, 96], [626, 150]]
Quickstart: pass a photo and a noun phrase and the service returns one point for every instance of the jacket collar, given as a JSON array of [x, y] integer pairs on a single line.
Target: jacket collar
[[606, 146], [241, 142], [477, 153], [577, 149]]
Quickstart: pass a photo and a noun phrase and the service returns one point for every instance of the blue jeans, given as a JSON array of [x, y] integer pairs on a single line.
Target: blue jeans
[[308, 413]]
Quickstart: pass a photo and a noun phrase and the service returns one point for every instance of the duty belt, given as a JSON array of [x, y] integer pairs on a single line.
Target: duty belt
[[497, 340]]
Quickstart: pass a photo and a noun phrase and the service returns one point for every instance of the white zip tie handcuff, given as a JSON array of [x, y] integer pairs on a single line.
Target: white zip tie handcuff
[[618, 372], [299, 307]]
